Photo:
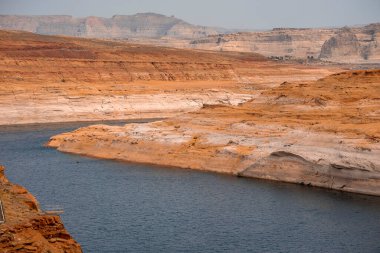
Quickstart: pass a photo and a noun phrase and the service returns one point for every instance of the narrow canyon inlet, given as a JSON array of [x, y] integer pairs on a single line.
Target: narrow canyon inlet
[[124, 207]]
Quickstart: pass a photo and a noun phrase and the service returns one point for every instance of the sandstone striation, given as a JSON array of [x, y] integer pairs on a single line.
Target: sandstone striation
[[54, 79], [26, 227], [289, 43], [323, 133]]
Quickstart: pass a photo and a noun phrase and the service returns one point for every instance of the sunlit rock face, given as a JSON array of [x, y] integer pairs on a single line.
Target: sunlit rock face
[[54, 79]]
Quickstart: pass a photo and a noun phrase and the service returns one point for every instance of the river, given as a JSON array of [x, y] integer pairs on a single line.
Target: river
[[125, 207]]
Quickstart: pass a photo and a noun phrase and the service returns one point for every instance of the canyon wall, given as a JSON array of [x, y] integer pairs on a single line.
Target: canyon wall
[[296, 43], [345, 45], [53, 79], [26, 227]]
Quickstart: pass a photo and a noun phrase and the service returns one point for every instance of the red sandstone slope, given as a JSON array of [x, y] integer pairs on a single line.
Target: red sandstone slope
[[31, 58], [53, 79]]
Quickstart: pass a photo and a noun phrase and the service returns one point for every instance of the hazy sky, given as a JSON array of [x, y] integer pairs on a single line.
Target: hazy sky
[[253, 14]]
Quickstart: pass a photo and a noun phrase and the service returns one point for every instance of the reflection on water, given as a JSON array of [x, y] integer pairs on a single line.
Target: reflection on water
[[122, 207]]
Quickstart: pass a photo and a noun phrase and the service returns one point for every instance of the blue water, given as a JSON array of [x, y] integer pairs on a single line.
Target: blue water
[[124, 207]]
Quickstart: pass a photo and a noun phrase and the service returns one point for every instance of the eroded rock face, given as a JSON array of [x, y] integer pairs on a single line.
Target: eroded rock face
[[26, 228], [54, 79], [343, 44], [324, 133], [285, 43], [142, 25], [353, 45], [349, 45]]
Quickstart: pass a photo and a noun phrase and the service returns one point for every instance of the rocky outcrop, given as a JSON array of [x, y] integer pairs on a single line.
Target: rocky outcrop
[[26, 227], [353, 45], [323, 133], [345, 45], [54, 79], [142, 25]]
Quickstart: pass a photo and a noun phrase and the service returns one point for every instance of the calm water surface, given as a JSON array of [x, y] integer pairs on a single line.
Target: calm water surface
[[123, 207]]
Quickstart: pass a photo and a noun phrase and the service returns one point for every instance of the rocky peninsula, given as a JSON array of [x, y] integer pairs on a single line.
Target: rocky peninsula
[[322, 133]]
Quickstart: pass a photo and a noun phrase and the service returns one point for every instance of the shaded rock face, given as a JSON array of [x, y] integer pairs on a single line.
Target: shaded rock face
[[143, 25], [348, 45], [26, 228], [344, 43]]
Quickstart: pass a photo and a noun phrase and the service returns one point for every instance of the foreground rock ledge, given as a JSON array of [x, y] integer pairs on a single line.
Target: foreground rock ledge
[[324, 133], [26, 228]]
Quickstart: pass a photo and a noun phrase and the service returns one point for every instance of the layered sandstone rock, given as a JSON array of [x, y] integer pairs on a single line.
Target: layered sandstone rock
[[26, 228], [290, 43], [54, 79], [323, 133], [142, 25], [348, 45]]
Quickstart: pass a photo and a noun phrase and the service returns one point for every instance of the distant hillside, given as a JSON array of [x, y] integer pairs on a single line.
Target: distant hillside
[[347, 45], [142, 25]]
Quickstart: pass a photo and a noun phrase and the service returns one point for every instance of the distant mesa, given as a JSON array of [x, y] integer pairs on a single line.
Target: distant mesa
[[344, 45], [141, 25]]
